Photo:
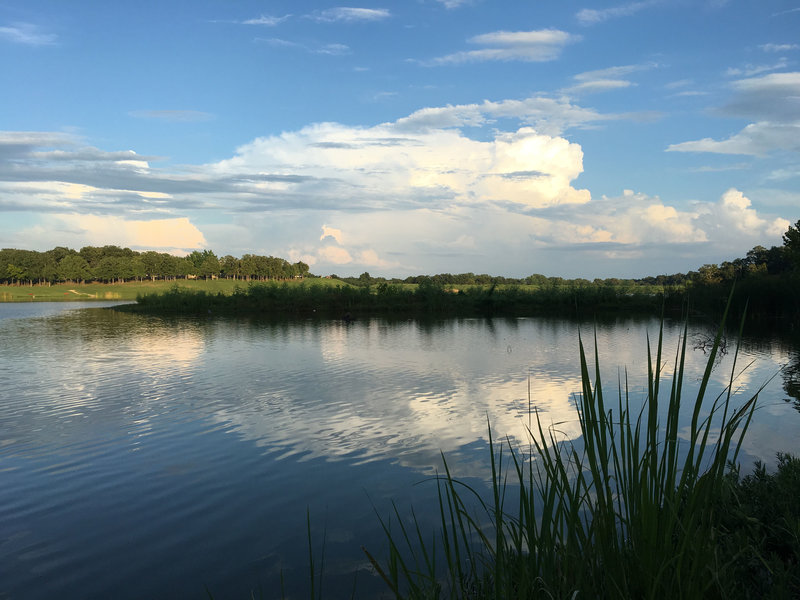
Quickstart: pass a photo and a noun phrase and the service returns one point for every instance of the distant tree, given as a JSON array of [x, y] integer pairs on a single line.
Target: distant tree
[[92, 255], [536, 279], [778, 260], [757, 256], [708, 274], [16, 274], [73, 267], [109, 269], [210, 266], [791, 243], [301, 269], [136, 268], [229, 266]]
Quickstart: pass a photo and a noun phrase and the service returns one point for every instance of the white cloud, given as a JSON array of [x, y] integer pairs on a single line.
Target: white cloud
[[529, 46], [751, 70], [756, 139], [783, 174], [590, 16], [773, 102], [453, 3], [27, 34], [266, 20], [331, 232], [347, 14], [637, 221], [733, 217], [176, 235], [370, 258], [334, 255], [363, 168], [779, 47], [329, 49], [333, 49], [598, 85], [547, 115], [602, 80]]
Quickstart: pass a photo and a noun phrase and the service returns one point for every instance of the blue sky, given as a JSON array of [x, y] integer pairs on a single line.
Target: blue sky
[[579, 139]]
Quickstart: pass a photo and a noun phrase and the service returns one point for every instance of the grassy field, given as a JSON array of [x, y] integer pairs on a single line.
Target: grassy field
[[130, 290]]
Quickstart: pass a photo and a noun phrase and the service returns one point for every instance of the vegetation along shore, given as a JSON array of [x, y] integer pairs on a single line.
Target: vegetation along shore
[[767, 281]]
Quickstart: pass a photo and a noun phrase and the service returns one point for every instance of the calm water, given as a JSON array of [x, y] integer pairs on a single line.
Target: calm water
[[142, 457]]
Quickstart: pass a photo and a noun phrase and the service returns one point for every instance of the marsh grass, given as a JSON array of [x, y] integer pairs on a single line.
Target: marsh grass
[[423, 300], [635, 510]]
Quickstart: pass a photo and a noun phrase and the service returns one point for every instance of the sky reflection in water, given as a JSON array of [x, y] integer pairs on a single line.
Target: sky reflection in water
[[156, 455]]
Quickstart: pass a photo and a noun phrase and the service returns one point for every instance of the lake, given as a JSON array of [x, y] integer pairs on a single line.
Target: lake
[[150, 457]]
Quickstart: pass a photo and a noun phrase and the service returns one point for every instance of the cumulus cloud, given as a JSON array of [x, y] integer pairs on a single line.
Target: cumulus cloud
[[733, 216], [629, 224], [529, 46], [410, 196], [334, 255], [331, 232], [385, 166], [26, 34], [177, 235]]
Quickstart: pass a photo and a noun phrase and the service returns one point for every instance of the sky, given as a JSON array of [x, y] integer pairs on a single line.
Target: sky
[[567, 138]]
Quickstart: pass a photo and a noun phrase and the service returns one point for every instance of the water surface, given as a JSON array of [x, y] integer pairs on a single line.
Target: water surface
[[148, 457]]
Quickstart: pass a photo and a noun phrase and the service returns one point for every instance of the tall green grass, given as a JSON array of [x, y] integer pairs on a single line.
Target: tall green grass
[[633, 509], [424, 300]]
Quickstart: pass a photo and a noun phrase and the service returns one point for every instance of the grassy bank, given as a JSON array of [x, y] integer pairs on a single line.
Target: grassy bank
[[399, 301], [129, 290], [640, 506]]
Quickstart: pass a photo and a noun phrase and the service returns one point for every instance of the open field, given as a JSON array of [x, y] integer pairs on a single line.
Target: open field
[[131, 290]]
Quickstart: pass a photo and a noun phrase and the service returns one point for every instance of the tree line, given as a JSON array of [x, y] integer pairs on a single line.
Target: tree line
[[115, 264], [111, 264], [759, 262]]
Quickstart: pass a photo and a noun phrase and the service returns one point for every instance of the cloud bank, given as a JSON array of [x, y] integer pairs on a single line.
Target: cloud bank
[[773, 103], [413, 195]]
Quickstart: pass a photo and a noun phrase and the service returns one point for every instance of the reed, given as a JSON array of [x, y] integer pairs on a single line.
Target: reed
[[424, 300], [634, 509]]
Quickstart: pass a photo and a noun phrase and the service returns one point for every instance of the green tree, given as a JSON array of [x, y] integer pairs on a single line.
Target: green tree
[[791, 242], [708, 274], [210, 266], [229, 266], [15, 274], [73, 267], [301, 268]]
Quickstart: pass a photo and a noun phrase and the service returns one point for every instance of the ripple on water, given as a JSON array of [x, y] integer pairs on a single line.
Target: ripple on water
[[143, 457]]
